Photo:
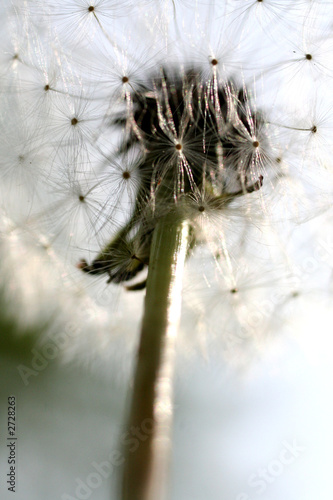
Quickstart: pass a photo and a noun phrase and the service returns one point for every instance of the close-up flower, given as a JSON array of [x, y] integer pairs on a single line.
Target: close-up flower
[[166, 248]]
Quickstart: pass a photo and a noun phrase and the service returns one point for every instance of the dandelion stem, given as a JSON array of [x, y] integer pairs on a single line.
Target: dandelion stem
[[145, 469]]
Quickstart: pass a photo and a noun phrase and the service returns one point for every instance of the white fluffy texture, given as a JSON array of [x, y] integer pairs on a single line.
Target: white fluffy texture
[[266, 261], [62, 62]]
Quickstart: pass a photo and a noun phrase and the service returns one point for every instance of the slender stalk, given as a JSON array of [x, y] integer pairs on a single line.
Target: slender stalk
[[145, 468]]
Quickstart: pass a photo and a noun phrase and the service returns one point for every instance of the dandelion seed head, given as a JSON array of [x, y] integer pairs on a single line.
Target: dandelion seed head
[[182, 128], [115, 114]]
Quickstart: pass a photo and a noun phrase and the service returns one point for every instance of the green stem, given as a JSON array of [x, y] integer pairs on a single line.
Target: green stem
[[146, 465]]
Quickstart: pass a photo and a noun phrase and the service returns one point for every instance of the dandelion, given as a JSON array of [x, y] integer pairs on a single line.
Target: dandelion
[[143, 137]]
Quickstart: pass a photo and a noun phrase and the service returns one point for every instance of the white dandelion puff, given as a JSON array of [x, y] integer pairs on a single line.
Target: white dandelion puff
[[140, 139]]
